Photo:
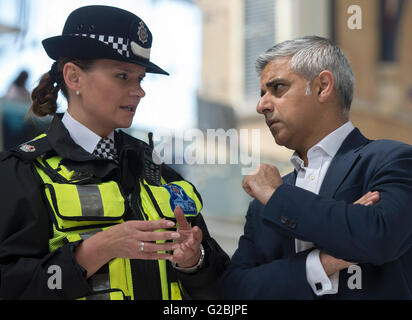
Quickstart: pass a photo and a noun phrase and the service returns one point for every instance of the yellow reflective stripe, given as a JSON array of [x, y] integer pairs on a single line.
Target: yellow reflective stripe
[[116, 295], [175, 291], [58, 239], [163, 278], [73, 237], [147, 204], [118, 279], [129, 281], [43, 175], [113, 201], [40, 136], [66, 200]]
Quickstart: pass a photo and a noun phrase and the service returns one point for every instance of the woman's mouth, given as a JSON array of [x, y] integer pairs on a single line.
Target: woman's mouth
[[131, 109]]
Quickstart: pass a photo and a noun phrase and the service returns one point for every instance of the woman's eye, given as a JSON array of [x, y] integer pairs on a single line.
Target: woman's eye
[[122, 76]]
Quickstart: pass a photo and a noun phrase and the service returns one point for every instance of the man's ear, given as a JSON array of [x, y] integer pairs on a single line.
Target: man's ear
[[326, 85], [71, 75]]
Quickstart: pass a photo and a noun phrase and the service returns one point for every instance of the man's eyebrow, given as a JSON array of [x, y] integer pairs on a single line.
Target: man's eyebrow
[[271, 83]]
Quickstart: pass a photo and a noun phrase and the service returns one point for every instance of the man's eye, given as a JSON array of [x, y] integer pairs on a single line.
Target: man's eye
[[279, 89]]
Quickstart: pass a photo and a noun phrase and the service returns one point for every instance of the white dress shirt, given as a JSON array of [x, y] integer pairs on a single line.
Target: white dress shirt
[[310, 178], [81, 135]]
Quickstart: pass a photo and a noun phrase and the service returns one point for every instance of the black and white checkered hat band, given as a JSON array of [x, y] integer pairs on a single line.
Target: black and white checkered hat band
[[117, 43]]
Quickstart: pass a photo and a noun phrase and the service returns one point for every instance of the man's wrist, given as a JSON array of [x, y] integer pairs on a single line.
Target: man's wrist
[[331, 264], [268, 195], [194, 268], [317, 278]]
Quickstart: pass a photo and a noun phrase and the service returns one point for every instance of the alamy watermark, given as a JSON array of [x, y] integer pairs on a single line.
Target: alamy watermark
[[355, 280], [54, 282], [355, 20], [215, 146]]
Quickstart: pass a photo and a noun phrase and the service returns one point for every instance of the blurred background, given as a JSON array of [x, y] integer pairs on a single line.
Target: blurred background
[[209, 48]]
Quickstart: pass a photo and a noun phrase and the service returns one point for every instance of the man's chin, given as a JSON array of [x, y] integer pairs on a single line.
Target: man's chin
[[281, 141], [277, 138]]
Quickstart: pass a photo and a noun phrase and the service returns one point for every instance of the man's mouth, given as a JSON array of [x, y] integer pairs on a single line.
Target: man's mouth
[[271, 122]]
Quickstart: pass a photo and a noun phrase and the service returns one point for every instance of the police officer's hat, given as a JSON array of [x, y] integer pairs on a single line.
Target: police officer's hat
[[103, 32]]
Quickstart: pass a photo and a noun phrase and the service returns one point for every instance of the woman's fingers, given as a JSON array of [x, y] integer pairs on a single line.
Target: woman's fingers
[[156, 236], [152, 225], [151, 247], [155, 256]]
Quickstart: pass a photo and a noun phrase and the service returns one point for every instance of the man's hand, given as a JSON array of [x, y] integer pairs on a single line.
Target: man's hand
[[331, 264], [187, 254], [261, 183], [369, 199]]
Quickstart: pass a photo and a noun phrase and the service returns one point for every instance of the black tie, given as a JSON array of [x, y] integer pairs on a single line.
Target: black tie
[[105, 149]]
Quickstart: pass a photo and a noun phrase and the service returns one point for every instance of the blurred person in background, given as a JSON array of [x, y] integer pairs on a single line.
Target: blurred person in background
[[17, 125], [18, 90], [306, 235], [86, 212]]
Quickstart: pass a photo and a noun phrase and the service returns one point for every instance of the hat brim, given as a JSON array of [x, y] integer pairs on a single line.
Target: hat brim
[[88, 48]]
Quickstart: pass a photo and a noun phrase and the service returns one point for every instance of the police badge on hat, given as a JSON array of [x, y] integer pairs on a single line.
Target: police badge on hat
[[142, 32]]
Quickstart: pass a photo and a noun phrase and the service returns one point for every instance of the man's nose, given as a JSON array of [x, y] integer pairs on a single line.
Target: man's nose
[[264, 105]]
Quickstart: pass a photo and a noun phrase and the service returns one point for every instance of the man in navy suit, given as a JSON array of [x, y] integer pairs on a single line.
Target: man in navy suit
[[306, 236]]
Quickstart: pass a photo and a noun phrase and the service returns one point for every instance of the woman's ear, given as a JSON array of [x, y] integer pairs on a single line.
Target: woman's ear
[[326, 85], [71, 75]]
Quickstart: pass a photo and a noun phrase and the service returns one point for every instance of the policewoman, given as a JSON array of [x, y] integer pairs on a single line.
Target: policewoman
[[85, 211]]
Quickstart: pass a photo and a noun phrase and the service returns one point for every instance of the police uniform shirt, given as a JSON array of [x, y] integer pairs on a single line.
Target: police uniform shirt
[[81, 135]]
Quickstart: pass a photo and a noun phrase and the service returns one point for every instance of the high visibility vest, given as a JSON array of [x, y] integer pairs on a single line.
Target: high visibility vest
[[80, 210]]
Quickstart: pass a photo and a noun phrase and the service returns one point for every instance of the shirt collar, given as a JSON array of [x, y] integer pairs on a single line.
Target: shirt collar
[[329, 145], [81, 135]]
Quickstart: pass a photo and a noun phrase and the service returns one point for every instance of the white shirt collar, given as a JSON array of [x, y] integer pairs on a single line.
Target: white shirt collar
[[329, 145], [82, 135]]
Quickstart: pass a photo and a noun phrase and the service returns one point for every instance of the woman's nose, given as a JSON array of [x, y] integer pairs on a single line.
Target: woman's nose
[[138, 91]]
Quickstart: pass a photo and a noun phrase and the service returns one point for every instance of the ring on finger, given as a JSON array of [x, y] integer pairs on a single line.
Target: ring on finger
[[141, 246]]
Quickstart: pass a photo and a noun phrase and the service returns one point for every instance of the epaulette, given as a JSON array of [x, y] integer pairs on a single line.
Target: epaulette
[[32, 149]]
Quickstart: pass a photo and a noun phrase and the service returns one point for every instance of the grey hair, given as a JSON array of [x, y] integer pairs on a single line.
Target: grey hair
[[310, 56]]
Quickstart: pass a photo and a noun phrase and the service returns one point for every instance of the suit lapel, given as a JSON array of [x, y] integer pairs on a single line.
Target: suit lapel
[[342, 163], [290, 178]]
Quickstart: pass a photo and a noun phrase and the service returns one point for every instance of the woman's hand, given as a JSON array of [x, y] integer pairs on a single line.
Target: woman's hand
[[187, 254], [124, 241]]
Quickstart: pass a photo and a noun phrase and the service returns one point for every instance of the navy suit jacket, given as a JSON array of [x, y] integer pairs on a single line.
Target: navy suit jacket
[[378, 237]]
